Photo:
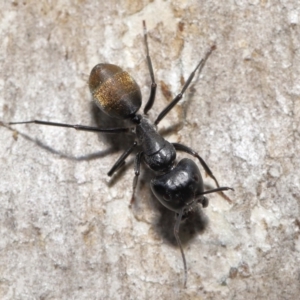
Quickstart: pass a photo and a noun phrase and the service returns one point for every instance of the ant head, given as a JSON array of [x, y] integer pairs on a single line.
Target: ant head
[[178, 188]]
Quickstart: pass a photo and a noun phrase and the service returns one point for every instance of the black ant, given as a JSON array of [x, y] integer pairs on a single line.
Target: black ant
[[179, 187]]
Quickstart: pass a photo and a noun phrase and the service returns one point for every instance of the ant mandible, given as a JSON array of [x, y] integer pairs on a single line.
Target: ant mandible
[[179, 187]]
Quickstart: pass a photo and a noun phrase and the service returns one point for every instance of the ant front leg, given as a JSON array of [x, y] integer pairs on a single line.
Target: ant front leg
[[137, 167], [150, 102], [189, 150]]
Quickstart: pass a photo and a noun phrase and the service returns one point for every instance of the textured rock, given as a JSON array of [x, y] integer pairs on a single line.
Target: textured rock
[[66, 229]]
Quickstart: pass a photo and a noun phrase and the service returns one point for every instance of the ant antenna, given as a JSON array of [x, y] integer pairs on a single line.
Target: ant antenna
[[176, 231], [219, 189], [177, 224]]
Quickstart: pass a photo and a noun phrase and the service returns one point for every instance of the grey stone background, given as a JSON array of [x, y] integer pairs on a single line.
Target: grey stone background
[[66, 229]]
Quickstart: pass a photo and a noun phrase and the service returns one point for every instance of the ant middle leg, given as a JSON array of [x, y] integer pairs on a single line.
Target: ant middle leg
[[137, 167], [199, 67], [150, 102], [121, 161]]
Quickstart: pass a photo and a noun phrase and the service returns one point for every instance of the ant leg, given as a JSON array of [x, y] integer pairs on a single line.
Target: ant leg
[[150, 102], [188, 150], [77, 127], [176, 233], [121, 161], [186, 85], [137, 167]]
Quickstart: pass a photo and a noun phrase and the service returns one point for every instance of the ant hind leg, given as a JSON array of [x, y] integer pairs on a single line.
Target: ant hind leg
[[150, 102], [178, 97]]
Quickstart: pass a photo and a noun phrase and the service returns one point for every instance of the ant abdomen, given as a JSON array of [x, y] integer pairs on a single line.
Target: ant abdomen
[[115, 92]]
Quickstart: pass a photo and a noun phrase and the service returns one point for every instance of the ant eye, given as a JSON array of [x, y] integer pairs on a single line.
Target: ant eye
[[196, 178], [166, 197]]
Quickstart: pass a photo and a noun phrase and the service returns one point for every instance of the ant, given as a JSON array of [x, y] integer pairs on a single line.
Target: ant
[[179, 187]]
